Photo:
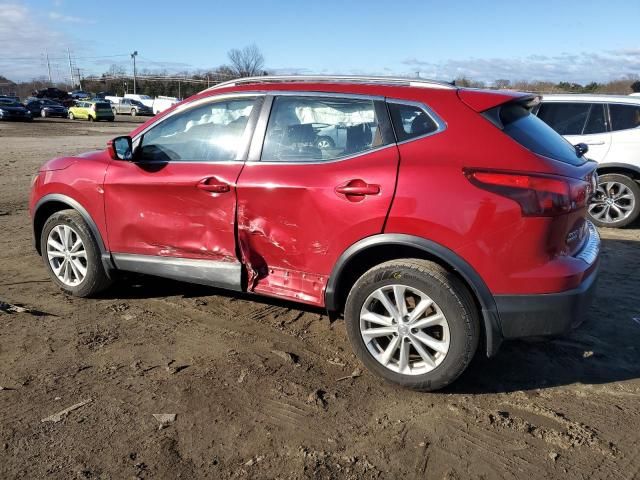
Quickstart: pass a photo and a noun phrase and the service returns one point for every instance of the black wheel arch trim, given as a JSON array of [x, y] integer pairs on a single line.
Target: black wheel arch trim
[[77, 206], [448, 257], [620, 166]]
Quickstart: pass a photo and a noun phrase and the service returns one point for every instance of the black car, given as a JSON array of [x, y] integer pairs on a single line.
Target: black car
[[43, 107], [12, 110], [54, 94]]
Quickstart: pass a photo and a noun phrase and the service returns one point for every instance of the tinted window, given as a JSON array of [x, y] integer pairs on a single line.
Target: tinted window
[[103, 106], [595, 122], [410, 121], [533, 134], [624, 117], [565, 118], [320, 128], [210, 132]]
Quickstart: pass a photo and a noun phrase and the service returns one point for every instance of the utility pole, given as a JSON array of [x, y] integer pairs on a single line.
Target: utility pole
[[79, 78], [71, 68], [49, 68], [134, 55]]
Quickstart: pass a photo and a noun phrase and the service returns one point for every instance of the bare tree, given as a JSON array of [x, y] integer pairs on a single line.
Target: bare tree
[[246, 62]]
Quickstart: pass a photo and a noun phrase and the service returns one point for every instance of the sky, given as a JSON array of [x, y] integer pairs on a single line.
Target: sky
[[561, 40]]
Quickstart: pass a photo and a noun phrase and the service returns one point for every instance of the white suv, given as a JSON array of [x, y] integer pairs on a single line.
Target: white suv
[[610, 126]]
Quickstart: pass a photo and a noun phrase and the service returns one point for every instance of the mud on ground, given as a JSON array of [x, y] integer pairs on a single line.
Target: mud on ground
[[265, 389]]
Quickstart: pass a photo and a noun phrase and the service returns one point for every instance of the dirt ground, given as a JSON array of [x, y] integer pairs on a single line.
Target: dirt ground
[[266, 389]]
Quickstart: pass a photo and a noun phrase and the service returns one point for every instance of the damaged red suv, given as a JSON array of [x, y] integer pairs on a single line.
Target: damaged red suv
[[435, 218]]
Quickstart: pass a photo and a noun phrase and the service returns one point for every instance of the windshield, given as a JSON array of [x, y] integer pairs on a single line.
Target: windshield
[[533, 134], [5, 102]]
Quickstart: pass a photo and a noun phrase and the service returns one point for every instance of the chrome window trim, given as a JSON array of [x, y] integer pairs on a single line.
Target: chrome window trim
[[259, 132], [440, 123]]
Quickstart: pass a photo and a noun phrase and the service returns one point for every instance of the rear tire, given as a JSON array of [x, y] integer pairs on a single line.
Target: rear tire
[[617, 201], [86, 264], [450, 324], [90, 118]]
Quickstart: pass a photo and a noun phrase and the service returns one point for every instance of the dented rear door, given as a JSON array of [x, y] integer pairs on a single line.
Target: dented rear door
[[305, 199]]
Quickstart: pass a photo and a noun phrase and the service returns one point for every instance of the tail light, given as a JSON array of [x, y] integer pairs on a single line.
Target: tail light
[[538, 195]]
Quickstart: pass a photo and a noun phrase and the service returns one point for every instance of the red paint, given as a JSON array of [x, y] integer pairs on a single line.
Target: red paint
[[291, 217], [162, 209], [289, 223]]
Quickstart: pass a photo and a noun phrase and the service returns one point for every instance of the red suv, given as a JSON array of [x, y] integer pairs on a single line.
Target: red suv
[[432, 216]]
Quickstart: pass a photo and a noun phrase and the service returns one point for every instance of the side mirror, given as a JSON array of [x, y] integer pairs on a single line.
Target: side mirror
[[581, 149], [121, 148]]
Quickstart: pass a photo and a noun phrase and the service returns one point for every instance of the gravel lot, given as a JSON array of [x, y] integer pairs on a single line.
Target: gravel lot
[[267, 389]]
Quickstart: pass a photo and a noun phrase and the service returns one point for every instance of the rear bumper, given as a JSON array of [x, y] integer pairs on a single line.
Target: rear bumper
[[545, 314]]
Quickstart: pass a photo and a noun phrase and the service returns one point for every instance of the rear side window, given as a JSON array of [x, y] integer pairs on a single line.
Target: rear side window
[[565, 118], [309, 129], [532, 133], [624, 117], [410, 121]]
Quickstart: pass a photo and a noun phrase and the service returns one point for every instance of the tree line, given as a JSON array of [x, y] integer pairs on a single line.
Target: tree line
[[249, 61]]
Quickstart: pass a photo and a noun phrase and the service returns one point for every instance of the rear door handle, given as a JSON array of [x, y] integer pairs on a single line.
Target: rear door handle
[[358, 188], [595, 142], [213, 185]]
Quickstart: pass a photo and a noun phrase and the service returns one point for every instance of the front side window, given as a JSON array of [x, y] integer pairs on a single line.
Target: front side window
[[624, 117], [410, 121], [305, 129], [210, 132]]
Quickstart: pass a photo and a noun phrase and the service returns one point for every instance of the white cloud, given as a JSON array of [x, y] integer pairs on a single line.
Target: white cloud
[[580, 67], [68, 18], [24, 40]]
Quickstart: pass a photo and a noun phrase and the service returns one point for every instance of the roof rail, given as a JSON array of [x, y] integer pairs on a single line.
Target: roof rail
[[391, 81]]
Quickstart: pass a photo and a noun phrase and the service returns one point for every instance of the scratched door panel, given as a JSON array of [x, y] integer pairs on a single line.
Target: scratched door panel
[[293, 224], [159, 210]]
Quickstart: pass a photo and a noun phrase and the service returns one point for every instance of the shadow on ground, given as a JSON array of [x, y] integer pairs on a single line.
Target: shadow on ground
[[604, 349]]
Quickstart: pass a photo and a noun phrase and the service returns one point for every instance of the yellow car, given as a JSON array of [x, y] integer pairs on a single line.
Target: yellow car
[[91, 110]]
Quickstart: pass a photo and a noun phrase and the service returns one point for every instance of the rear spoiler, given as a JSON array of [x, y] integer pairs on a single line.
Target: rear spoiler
[[481, 100]]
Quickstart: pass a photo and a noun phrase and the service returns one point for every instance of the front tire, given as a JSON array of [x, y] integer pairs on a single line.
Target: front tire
[[617, 201], [71, 254], [43, 113], [412, 323], [71, 117], [133, 112]]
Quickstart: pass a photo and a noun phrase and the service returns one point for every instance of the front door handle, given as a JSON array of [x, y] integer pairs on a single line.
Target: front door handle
[[595, 142], [358, 188], [213, 185]]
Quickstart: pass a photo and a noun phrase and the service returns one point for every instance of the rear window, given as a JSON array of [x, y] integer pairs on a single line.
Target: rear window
[[624, 117], [103, 106], [532, 133]]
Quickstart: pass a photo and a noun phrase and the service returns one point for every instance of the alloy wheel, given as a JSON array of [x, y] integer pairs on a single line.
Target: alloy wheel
[[613, 202], [404, 330], [67, 255]]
